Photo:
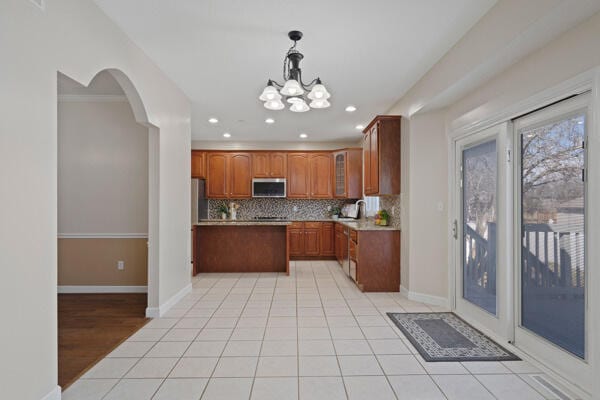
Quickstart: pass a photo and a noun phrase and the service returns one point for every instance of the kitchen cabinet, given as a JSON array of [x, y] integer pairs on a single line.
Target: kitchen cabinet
[[312, 240], [341, 243], [216, 178], [240, 178], [298, 177], [309, 176], [381, 156], [375, 260], [347, 166], [229, 175], [320, 176], [269, 165], [198, 164], [296, 238], [327, 239]]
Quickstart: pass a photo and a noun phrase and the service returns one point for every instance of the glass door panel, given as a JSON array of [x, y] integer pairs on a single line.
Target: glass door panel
[[553, 231], [479, 222]]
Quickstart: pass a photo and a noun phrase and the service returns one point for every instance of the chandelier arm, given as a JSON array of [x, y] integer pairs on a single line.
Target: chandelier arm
[[308, 86], [277, 84]]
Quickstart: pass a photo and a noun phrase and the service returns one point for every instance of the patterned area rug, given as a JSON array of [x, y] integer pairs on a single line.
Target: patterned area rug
[[446, 337]]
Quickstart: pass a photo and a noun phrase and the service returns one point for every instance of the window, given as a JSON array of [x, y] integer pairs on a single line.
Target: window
[[372, 205]]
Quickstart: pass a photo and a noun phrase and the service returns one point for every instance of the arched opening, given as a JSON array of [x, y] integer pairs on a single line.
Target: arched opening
[[107, 218]]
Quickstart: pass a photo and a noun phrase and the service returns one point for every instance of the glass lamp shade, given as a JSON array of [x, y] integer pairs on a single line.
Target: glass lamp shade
[[319, 104], [274, 105], [293, 100], [270, 93], [299, 106], [319, 92], [292, 88]]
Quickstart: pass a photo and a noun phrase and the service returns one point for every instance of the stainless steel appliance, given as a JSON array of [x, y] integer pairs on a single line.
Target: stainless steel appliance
[[269, 187], [346, 252], [352, 258], [199, 201]]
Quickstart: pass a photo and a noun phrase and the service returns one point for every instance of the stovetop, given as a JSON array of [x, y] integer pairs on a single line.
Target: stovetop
[[268, 218]]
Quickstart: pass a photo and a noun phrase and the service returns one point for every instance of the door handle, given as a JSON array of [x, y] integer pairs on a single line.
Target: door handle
[[455, 229]]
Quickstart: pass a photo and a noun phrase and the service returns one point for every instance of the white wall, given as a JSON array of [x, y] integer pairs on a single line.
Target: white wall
[[76, 38], [428, 188], [102, 169]]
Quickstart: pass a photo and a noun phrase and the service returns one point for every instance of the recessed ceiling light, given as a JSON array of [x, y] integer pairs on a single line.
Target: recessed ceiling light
[[227, 135], [350, 108], [213, 120], [303, 135], [270, 121], [360, 127]]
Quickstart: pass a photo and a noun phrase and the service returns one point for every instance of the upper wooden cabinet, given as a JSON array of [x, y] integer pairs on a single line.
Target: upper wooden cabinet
[[381, 156], [198, 164], [347, 165], [309, 176], [320, 176], [269, 165], [229, 175], [240, 178], [216, 176], [298, 176]]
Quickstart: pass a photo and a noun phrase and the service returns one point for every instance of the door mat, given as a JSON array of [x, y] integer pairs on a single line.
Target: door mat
[[446, 337]]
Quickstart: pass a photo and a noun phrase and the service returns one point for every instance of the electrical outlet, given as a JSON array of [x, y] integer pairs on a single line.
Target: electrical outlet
[[295, 208], [393, 211], [120, 265]]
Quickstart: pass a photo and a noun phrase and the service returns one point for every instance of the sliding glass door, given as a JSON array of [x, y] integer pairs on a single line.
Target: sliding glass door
[[480, 266], [551, 284]]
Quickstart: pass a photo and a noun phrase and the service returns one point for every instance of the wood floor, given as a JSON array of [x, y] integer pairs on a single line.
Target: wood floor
[[91, 325]]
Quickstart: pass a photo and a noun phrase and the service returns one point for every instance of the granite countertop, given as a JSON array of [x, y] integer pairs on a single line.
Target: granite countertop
[[241, 222], [362, 225], [358, 225]]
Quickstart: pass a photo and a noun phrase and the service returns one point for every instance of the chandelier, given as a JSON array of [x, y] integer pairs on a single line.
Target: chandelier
[[293, 90]]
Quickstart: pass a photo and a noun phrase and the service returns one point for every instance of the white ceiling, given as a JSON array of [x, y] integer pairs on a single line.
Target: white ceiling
[[221, 53]]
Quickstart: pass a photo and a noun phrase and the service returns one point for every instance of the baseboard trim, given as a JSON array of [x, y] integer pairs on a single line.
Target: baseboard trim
[[424, 298], [101, 289], [157, 312], [55, 394]]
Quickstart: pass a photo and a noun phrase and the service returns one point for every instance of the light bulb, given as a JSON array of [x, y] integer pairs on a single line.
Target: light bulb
[[274, 105]]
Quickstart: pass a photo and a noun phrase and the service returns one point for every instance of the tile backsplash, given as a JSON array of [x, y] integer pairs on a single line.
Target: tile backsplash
[[261, 207], [389, 202]]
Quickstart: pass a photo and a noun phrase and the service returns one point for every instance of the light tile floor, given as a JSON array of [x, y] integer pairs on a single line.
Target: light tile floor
[[310, 335]]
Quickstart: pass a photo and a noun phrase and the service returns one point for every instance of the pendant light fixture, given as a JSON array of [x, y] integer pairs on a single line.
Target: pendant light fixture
[[293, 88]]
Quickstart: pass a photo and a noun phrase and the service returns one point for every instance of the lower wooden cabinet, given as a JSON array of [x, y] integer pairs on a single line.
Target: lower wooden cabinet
[[296, 237], [312, 240], [327, 239], [375, 260]]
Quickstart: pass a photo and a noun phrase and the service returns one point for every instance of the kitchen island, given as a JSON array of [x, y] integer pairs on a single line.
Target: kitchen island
[[241, 246]]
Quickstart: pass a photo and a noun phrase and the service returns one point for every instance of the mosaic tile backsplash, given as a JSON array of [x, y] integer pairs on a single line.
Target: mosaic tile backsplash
[[386, 203], [260, 207]]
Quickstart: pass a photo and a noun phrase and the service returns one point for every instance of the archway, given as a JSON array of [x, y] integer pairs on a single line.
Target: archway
[[96, 97]]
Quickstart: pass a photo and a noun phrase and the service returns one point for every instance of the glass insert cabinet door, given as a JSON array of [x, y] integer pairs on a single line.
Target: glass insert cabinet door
[[479, 222], [553, 262]]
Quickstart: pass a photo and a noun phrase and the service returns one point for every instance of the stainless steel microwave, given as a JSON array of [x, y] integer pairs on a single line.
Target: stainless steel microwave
[[269, 187]]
